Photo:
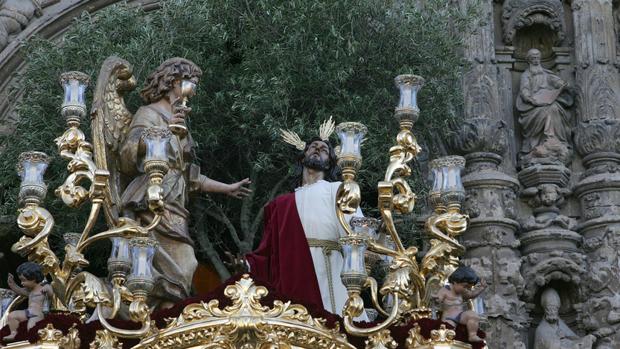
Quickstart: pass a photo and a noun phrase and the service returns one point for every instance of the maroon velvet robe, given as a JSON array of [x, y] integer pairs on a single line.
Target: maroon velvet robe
[[283, 256]]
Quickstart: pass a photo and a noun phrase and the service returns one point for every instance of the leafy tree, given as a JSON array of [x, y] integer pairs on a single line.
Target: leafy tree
[[267, 65]]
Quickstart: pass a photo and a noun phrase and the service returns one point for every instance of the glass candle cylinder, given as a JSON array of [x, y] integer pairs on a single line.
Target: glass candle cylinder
[[140, 281], [408, 86], [119, 263], [74, 84], [351, 135], [31, 167], [452, 190], [156, 140], [435, 192], [353, 272]]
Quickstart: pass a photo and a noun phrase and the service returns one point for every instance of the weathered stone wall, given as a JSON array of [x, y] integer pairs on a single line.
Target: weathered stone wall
[[546, 217]]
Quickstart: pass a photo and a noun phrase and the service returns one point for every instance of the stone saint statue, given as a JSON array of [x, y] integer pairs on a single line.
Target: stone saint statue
[[174, 262], [544, 121], [552, 332]]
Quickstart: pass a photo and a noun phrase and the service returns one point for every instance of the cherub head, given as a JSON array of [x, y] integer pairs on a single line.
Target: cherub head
[[549, 194], [30, 274], [463, 278], [167, 77]]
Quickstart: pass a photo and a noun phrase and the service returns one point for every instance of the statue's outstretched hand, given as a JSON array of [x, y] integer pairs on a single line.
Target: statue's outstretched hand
[[11, 280], [240, 190]]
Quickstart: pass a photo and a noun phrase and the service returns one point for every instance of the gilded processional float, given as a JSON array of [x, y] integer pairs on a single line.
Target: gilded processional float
[[123, 309]]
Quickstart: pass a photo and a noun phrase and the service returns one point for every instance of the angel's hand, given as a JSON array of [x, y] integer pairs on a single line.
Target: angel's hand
[[239, 190], [177, 125]]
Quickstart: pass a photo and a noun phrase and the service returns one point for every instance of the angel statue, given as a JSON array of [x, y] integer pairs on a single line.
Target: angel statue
[[121, 148]]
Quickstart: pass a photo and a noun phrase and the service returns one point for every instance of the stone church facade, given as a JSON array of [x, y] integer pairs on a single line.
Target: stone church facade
[[542, 177]]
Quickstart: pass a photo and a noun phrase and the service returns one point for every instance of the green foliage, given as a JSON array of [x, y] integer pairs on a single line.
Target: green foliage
[[267, 65]]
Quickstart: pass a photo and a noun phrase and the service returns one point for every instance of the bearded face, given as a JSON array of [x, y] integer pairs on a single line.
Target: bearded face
[[316, 156]]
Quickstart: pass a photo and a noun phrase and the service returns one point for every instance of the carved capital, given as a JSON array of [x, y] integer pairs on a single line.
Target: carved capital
[[598, 93], [597, 136], [481, 135]]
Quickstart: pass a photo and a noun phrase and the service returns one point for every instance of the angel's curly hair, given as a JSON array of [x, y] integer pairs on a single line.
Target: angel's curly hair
[[160, 81]]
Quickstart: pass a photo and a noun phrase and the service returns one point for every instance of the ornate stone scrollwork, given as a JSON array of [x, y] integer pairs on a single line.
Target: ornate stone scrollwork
[[542, 268], [518, 14]]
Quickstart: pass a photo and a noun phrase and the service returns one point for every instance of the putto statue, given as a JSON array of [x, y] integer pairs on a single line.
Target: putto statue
[[544, 121], [165, 93], [463, 285], [38, 292], [553, 333]]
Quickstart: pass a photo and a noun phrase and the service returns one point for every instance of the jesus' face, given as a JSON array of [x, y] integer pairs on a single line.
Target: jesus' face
[[317, 156]]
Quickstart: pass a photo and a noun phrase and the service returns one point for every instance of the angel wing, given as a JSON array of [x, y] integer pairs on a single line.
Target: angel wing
[[110, 122]]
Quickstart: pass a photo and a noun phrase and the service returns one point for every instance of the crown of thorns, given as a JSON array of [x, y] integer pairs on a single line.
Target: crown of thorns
[[292, 138]]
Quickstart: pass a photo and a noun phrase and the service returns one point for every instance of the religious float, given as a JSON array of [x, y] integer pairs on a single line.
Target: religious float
[[89, 311]]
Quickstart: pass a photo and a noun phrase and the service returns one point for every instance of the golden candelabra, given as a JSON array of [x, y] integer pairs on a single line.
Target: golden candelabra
[[246, 323], [409, 285], [76, 290]]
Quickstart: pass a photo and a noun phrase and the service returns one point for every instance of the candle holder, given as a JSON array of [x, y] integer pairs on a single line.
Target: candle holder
[[351, 135], [73, 108], [31, 168], [140, 280], [156, 141], [119, 263], [448, 192], [408, 85], [353, 272]]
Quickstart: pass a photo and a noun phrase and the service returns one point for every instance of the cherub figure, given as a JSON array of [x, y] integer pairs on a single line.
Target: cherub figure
[[452, 297], [36, 289]]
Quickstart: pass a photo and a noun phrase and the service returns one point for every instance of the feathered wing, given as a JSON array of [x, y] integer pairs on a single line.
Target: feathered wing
[[110, 122]]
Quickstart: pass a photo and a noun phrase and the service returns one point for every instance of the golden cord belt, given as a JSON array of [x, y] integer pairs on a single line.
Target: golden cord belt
[[327, 246]]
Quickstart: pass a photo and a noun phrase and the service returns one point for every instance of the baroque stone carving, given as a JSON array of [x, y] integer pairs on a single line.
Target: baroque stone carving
[[552, 332], [546, 200], [545, 122], [598, 93], [542, 268], [480, 135], [598, 136], [16, 14], [518, 14]]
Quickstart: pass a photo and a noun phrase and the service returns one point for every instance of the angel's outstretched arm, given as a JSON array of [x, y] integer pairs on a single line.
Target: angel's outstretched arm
[[237, 190]]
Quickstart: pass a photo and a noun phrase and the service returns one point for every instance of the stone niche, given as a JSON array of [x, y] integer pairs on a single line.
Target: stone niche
[[567, 312]]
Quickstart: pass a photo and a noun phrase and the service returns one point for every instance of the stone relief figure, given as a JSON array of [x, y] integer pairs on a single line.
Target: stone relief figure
[[547, 200], [545, 123], [552, 332], [16, 14]]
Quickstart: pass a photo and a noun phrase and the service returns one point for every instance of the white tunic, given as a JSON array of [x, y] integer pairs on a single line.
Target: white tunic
[[316, 205]]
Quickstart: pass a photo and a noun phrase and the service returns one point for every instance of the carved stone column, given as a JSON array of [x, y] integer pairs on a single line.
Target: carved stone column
[[597, 140], [492, 248]]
